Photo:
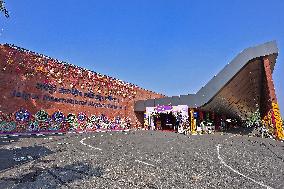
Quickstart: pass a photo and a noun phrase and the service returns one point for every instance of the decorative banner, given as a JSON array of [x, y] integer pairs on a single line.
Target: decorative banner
[[146, 118], [162, 109], [149, 111], [192, 122], [181, 112]]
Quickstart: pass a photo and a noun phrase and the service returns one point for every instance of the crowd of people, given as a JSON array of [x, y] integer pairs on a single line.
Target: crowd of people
[[184, 124]]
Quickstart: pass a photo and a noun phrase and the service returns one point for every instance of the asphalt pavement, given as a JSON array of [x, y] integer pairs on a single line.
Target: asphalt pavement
[[140, 159]]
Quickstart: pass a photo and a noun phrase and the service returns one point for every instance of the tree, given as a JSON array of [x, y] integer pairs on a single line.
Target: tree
[[3, 8], [254, 119]]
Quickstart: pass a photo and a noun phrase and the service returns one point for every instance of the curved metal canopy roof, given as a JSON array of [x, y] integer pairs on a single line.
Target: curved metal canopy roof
[[235, 91]]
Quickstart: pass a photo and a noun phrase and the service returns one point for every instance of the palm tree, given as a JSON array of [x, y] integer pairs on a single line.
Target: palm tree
[[3, 9]]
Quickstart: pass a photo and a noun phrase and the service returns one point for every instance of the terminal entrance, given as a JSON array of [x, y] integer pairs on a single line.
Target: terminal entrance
[[167, 118], [166, 121]]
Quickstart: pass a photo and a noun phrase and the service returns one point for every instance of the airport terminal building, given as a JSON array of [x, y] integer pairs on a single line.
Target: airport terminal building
[[42, 94], [242, 87]]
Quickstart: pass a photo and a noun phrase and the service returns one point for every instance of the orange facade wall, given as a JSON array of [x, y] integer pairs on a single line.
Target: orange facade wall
[[30, 82]]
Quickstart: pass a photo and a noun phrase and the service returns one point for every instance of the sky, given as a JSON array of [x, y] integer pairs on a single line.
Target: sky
[[168, 46]]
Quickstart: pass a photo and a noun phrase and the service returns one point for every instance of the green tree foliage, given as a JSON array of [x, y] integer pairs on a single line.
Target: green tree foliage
[[3, 8], [254, 119]]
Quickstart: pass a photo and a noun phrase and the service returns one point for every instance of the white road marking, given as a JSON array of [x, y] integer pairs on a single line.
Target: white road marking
[[82, 142], [144, 163], [237, 172], [23, 158]]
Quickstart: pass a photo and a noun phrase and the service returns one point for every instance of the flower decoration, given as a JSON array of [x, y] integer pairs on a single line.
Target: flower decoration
[[10, 61], [54, 127], [41, 116], [43, 126], [3, 116], [71, 118], [49, 121], [22, 115], [33, 126], [103, 117], [40, 69], [7, 126], [82, 117], [82, 126], [93, 118], [90, 125], [58, 117]]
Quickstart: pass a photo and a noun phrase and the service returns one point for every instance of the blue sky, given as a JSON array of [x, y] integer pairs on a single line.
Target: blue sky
[[168, 46]]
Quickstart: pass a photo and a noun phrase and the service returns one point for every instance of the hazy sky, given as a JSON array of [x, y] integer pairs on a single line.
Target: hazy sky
[[168, 46]]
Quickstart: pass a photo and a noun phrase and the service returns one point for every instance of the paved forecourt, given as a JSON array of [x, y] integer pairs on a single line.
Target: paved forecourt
[[140, 159]]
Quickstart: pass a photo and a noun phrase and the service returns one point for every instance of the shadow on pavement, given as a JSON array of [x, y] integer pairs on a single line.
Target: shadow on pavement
[[14, 156], [241, 131], [53, 177]]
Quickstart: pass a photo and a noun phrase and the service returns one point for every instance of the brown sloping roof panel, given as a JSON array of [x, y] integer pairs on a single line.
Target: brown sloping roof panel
[[213, 87]]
